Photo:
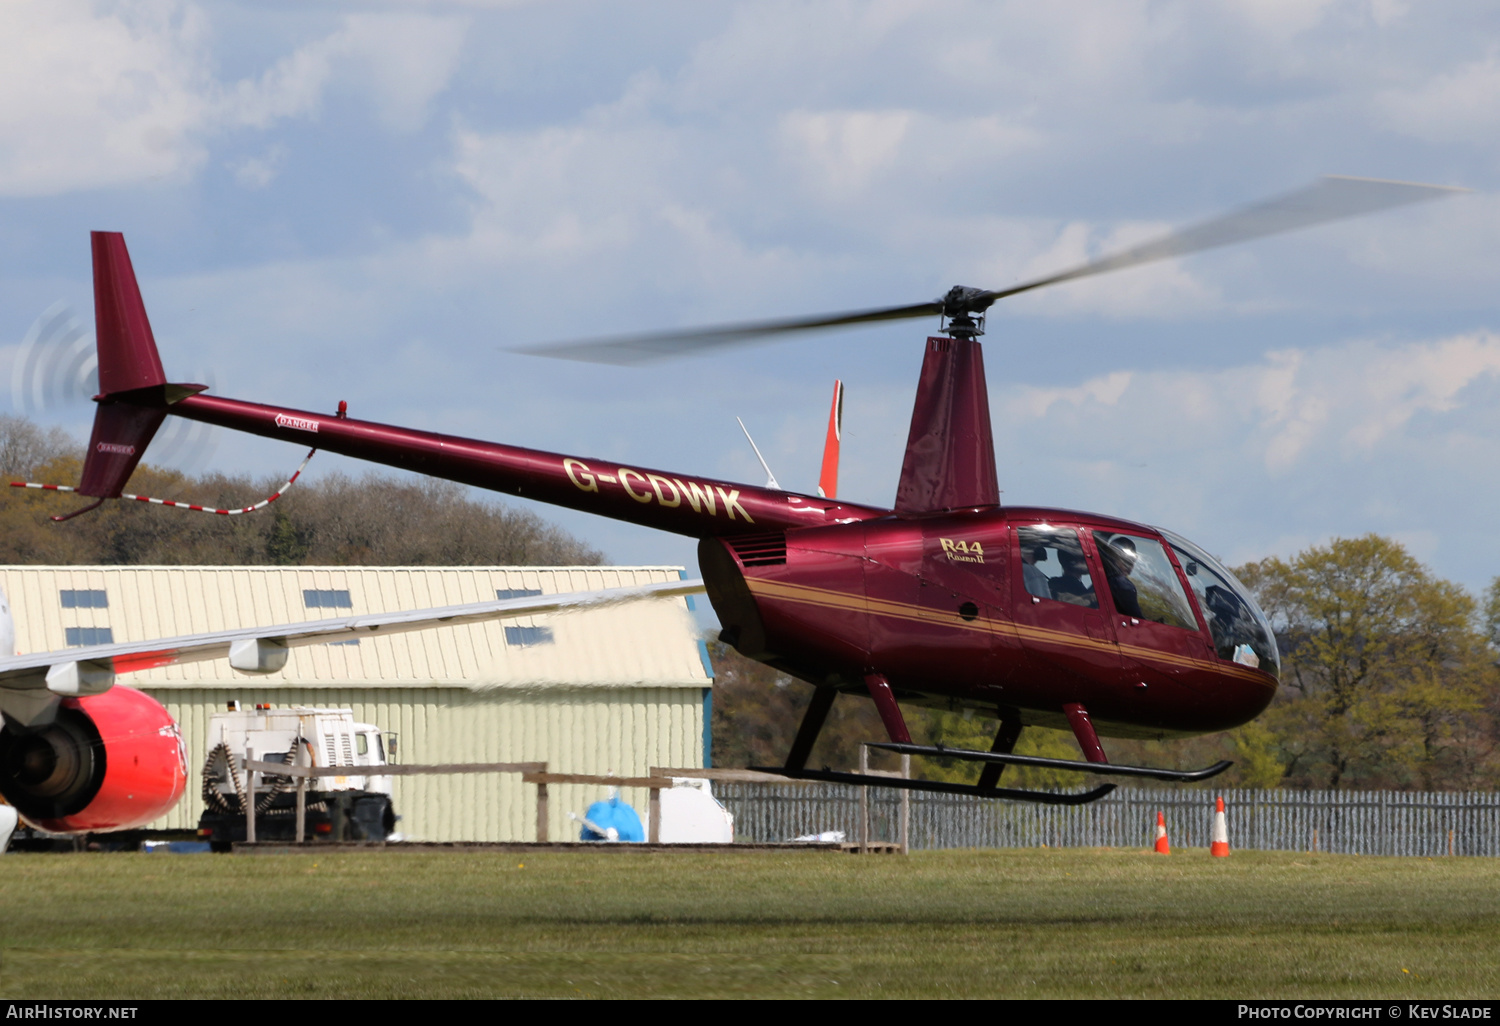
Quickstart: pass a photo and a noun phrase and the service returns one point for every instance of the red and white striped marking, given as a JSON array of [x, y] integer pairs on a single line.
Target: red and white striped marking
[[262, 504]]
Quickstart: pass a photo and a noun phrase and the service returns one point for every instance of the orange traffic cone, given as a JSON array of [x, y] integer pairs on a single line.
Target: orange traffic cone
[[1220, 846], [1162, 846]]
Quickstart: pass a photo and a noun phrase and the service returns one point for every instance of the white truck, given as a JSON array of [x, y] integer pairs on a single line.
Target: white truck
[[352, 807]]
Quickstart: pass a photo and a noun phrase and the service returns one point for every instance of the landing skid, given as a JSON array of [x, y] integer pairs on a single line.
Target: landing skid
[[939, 786], [1006, 759]]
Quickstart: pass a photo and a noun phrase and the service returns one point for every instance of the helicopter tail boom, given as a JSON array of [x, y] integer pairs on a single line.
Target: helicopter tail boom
[[677, 503], [136, 397]]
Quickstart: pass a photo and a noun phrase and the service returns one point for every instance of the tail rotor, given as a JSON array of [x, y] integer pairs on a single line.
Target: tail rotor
[[55, 376]]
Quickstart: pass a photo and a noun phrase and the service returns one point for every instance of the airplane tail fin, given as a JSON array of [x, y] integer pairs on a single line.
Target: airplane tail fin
[[828, 479], [133, 389]]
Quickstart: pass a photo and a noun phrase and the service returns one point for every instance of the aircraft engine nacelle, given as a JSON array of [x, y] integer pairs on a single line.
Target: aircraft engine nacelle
[[107, 762]]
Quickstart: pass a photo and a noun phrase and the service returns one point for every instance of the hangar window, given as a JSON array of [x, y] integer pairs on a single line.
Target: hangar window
[[326, 598], [84, 598], [510, 593], [90, 636], [523, 636]]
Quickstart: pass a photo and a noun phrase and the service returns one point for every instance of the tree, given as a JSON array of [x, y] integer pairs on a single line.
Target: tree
[[24, 446], [1384, 670], [1492, 614]]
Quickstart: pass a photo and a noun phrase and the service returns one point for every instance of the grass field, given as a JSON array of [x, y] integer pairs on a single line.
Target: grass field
[[1032, 923]]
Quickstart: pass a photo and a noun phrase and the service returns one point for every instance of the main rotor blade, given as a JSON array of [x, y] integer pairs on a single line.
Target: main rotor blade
[[1331, 198], [626, 350]]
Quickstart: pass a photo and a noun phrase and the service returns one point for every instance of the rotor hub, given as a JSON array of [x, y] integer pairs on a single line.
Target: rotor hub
[[963, 311]]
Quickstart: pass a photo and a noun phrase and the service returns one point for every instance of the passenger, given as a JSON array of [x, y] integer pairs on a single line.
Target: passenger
[[1119, 560], [1071, 587], [1037, 582]]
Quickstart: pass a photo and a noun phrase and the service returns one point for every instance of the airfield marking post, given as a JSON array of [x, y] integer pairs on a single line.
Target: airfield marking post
[[250, 802], [864, 802], [905, 807], [301, 798]]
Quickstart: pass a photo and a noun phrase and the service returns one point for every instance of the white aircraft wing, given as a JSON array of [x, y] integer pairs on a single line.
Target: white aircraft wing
[[30, 683]]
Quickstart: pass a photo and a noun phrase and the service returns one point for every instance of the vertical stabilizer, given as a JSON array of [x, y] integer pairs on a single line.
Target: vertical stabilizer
[[950, 452], [127, 349], [132, 399], [828, 479]]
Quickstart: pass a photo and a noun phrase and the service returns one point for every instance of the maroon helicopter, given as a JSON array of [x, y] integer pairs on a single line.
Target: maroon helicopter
[[1039, 616]]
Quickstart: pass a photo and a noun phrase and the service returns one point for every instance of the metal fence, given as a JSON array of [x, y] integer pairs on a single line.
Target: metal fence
[[1346, 822]]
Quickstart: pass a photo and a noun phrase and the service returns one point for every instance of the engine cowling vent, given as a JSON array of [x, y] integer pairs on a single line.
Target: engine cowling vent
[[759, 549]]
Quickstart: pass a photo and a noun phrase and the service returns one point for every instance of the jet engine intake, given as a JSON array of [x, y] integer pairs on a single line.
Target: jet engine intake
[[52, 771], [106, 762]]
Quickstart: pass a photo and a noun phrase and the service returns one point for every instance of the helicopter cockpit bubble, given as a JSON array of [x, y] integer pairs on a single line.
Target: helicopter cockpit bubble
[[1241, 632]]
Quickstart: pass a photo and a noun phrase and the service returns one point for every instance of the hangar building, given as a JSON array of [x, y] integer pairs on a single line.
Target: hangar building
[[616, 689]]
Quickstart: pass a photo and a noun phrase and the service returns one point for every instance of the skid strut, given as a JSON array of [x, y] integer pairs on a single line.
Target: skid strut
[[1005, 743], [812, 724]]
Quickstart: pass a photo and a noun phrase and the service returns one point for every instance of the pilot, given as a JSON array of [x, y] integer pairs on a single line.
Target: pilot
[[1118, 557], [1037, 582], [1071, 587]]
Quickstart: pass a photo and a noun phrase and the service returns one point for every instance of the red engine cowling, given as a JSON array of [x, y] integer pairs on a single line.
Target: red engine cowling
[[108, 762]]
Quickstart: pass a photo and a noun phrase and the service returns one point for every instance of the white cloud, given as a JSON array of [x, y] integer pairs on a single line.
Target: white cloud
[[1292, 408], [1448, 106], [92, 99], [1035, 403], [259, 172], [1283, 19], [1276, 454], [845, 148], [402, 61], [96, 95]]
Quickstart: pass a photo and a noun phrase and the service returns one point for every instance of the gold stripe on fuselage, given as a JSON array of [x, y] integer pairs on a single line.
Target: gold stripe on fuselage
[[827, 598]]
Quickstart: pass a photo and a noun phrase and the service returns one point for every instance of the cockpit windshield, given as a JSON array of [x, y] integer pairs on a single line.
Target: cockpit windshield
[[1241, 632]]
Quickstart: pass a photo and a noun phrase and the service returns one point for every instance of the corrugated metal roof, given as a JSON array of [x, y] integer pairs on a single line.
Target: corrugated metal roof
[[651, 643]]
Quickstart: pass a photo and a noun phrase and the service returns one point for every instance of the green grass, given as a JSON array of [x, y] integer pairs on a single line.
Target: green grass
[[1033, 923]]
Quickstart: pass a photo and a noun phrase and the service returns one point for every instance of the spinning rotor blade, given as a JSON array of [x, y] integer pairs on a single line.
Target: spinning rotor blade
[[1330, 198], [626, 350]]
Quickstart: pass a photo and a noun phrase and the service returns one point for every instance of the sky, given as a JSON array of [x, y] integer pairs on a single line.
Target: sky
[[373, 201]]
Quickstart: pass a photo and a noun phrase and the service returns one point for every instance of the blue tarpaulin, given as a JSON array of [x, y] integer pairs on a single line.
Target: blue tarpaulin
[[613, 813]]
